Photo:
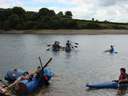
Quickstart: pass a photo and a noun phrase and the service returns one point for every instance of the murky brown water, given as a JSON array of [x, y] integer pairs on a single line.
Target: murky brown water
[[87, 63]]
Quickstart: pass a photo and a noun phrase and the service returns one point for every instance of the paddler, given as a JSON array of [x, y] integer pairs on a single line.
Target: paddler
[[111, 49], [123, 79]]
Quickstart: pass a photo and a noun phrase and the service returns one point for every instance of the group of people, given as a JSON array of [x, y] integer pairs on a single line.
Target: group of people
[[56, 46], [25, 76]]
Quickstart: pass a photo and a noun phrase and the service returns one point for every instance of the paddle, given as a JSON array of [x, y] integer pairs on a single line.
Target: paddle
[[77, 43], [74, 43], [49, 45], [40, 62], [47, 63]]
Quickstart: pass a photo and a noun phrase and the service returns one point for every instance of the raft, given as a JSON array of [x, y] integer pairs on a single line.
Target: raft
[[27, 86], [106, 85], [12, 75]]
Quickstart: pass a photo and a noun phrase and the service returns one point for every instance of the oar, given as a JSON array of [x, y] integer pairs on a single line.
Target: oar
[[49, 45], [115, 81], [47, 63], [77, 43], [40, 62]]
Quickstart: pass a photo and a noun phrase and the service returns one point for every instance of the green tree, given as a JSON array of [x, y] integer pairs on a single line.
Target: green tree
[[18, 10], [60, 14], [52, 13], [68, 14], [43, 12]]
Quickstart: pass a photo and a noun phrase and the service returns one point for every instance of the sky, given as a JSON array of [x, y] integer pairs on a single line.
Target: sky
[[110, 10]]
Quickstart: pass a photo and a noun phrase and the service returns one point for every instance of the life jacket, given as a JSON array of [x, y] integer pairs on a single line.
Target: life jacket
[[123, 76]]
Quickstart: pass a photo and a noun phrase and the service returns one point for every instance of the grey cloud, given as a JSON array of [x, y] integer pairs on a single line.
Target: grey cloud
[[107, 3]]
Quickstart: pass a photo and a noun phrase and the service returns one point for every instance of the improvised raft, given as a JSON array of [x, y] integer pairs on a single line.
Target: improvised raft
[[29, 86]]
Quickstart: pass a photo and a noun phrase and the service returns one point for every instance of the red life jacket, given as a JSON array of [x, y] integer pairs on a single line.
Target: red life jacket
[[123, 76]]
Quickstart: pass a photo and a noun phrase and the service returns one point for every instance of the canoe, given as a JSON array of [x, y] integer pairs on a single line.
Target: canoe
[[106, 85], [12, 75], [111, 52], [27, 86]]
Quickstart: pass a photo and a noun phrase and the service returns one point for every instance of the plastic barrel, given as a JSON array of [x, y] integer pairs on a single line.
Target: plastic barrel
[[12, 75], [27, 86]]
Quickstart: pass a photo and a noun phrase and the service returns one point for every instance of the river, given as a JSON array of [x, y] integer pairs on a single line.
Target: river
[[87, 63]]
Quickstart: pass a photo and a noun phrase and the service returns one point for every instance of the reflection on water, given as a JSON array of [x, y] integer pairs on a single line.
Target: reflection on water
[[87, 63]]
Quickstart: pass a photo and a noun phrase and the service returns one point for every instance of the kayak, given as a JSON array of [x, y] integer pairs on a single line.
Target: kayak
[[112, 85], [106, 85], [29, 86], [111, 52]]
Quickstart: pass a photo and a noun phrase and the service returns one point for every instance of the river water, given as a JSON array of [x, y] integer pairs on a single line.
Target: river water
[[87, 63]]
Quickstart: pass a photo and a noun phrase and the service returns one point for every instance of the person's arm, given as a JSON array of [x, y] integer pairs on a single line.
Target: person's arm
[[14, 83], [123, 81]]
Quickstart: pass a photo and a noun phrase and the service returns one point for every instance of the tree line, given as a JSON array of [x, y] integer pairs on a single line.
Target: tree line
[[18, 18]]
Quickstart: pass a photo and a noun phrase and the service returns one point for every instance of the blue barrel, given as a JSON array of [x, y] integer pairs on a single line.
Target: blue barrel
[[48, 72], [12, 75], [27, 86]]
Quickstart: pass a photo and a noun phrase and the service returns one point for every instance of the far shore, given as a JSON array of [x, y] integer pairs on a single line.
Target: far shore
[[66, 32]]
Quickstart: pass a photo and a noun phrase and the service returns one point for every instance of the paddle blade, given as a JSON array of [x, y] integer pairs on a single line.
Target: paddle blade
[[47, 62], [77, 43], [49, 45]]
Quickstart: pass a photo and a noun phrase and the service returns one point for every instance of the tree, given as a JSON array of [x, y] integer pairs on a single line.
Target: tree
[[52, 13], [68, 14], [13, 21], [60, 14], [18, 10], [43, 12]]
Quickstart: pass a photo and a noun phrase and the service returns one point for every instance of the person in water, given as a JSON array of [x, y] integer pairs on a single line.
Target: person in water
[[123, 74], [56, 46], [68, 44], [123, 78], [111, 49]]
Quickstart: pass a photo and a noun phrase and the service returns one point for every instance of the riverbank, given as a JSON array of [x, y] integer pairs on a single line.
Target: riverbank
[[65, 32]]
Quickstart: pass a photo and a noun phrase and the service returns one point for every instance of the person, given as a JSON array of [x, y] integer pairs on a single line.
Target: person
[[123, 78], [111, 49], [56, 46], [3, 90], [123, 74], [24, 76], [68, 44], [37, 73]]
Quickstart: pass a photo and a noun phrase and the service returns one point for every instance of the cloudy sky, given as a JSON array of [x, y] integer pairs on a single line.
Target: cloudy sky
[[111, 10]]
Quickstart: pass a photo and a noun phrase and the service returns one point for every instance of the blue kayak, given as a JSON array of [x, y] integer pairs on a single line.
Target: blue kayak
[[106, 85]]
